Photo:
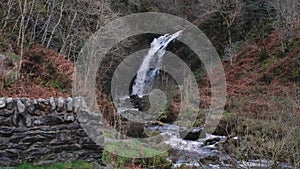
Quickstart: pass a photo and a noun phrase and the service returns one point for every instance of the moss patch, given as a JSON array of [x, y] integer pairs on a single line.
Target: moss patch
[[74, 165], [134, 152]]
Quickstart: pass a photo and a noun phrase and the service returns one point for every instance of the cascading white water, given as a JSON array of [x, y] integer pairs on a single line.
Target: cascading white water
[[144, 75]]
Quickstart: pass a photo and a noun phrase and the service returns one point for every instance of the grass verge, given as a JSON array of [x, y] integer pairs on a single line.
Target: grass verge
[[73, 165]]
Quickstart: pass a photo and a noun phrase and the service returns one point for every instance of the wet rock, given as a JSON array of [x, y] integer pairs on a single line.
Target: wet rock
[[15, 120], [44, 105], [35, 139], [20, 106], [135, 100], [38, 112], [65, 137], [27, 121], [53, 120], [52, 103], [22, 130], [16, 139], [49, 135], [6, 112], [46, 128], [69, 148], [28, 102], [2, 103], [12, 154], [32, 110], [4, 160], [6, 121], [38, 152], [70, 118], [74, 126], [60, 104], [211, 141], [69, 104], [145, 104], [3, 147], [24, 146], [9, 103], [190, 134], [163, 128], [38, 122], [23, 100], [30, 107], [142, 104], [6, 132]]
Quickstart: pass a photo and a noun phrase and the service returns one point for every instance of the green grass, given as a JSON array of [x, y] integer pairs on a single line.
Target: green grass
[[132, 149], [133, 152], [76, 165]]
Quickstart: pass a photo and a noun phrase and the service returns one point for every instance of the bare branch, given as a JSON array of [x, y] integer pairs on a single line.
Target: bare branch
[[58, 22]]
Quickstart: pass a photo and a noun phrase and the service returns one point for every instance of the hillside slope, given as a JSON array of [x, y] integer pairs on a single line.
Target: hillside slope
[[44, 74]]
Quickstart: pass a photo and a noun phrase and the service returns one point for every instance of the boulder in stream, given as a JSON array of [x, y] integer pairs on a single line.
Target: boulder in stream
[[141, 103], [190, 133]]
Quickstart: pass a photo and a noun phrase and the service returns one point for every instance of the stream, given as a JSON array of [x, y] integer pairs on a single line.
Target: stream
[[189, 146]]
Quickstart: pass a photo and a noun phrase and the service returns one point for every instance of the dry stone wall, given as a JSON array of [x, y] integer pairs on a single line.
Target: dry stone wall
[[44, 131]]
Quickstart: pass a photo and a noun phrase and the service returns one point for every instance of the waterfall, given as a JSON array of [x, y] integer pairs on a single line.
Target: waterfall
[[145, 76]]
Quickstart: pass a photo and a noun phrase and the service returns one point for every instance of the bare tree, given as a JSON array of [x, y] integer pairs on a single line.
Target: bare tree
[[50, 11], [229, 10], [56, 25], [60, 25], [9, 5], [22, 29], [287, 16]]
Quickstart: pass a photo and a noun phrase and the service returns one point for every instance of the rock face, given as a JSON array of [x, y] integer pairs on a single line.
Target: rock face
[[44, 131]]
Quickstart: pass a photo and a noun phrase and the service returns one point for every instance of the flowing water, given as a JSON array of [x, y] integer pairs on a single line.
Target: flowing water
[[185, 152], [189, 151], [145, 75]]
